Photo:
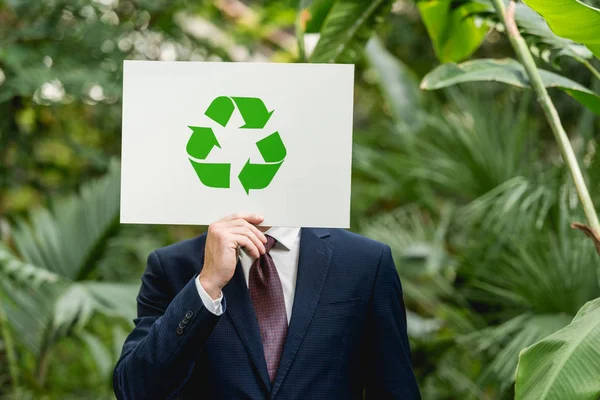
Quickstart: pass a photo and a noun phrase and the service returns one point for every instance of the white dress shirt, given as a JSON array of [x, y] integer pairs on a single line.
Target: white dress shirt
[[285, 255]]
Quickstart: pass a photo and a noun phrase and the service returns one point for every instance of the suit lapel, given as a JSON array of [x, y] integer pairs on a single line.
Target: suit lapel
[[240, 309], [313, 263]]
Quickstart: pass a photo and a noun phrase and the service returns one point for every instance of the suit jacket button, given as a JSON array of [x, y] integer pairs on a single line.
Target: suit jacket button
[[189, 314], [179, 331], [182, 324]]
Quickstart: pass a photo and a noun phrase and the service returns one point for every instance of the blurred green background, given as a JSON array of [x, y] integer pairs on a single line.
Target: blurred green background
[[466, 185]]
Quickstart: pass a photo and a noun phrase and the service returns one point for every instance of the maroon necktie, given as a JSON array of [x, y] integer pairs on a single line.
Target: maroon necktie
[[267, 297]]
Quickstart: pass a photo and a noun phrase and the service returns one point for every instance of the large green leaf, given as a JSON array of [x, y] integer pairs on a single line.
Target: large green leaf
[[566, 364], [532, 24], [507, 71], [346, 29], [454, 30], [398, 83], [571, 19]]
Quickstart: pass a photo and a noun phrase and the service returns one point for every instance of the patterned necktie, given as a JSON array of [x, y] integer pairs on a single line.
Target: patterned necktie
[[267, 297]]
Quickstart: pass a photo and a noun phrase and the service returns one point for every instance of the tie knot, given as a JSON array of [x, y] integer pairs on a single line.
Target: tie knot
[[270, 243]]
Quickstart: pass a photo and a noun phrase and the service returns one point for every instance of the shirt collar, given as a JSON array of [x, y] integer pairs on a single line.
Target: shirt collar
[[285, 235]]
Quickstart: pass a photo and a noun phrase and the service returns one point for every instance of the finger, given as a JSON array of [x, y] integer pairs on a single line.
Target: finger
[[246, 231], [247, 244], [252, 218], [257, 232]]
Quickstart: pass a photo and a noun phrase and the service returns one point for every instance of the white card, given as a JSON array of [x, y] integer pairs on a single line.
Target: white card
[[202, 140]]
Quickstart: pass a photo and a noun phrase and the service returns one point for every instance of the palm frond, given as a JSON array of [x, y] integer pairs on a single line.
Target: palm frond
[[29, 312], [12, 268], [123, 252], [81, 300], [512, 208], [67, 238], [454, 377], [100, 354], [42, 295], [346, 29], [26, 294], [545, 270], [426, 267], [505, 341], [468, 151]]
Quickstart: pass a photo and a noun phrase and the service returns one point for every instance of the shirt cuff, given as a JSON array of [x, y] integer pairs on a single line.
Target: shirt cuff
[[214, 306]]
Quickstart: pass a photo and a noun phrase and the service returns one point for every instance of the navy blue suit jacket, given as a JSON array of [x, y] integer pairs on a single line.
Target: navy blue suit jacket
[[347, 335]]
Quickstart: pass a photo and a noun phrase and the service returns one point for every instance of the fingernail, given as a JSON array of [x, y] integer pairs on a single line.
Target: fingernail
[[260, 217]]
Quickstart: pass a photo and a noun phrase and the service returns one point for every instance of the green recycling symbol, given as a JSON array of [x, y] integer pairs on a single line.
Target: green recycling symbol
[[203, 140]]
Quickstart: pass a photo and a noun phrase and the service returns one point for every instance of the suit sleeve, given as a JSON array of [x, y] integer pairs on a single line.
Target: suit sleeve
[[390, 374], [159, 354]]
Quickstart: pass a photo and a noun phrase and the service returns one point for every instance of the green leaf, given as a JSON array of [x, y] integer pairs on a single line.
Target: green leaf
[[67, 238], [27, 293], [522, 279], [119, 336], [531, 23], [506, 340], [346, 29], [44, 300], [455, 32], [116, 299], [99, 352], [313, 13], [398, 83], [507, 71], [26, 274], [566, 364], [29, 311], [571, 19], [78, 304]]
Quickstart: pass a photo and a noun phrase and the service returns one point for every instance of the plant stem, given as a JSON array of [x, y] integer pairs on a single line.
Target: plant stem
[[593, 70], [300, 26], [13, 368], [522, 50], [42, 367]]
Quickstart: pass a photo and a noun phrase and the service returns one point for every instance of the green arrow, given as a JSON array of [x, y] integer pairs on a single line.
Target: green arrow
[[272, 148], [212, 175], [257, 176], [201, 142], [220, 110], [253, 111]]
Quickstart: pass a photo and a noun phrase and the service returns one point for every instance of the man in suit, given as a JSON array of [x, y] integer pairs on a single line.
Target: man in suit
[[289, 313]]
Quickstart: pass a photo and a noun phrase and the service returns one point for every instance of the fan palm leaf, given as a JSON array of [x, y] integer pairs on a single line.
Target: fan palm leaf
[[533, 278], [65, 238], [44, 289]]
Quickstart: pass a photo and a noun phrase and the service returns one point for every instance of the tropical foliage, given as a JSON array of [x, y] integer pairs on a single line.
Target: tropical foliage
[[466, 181]]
